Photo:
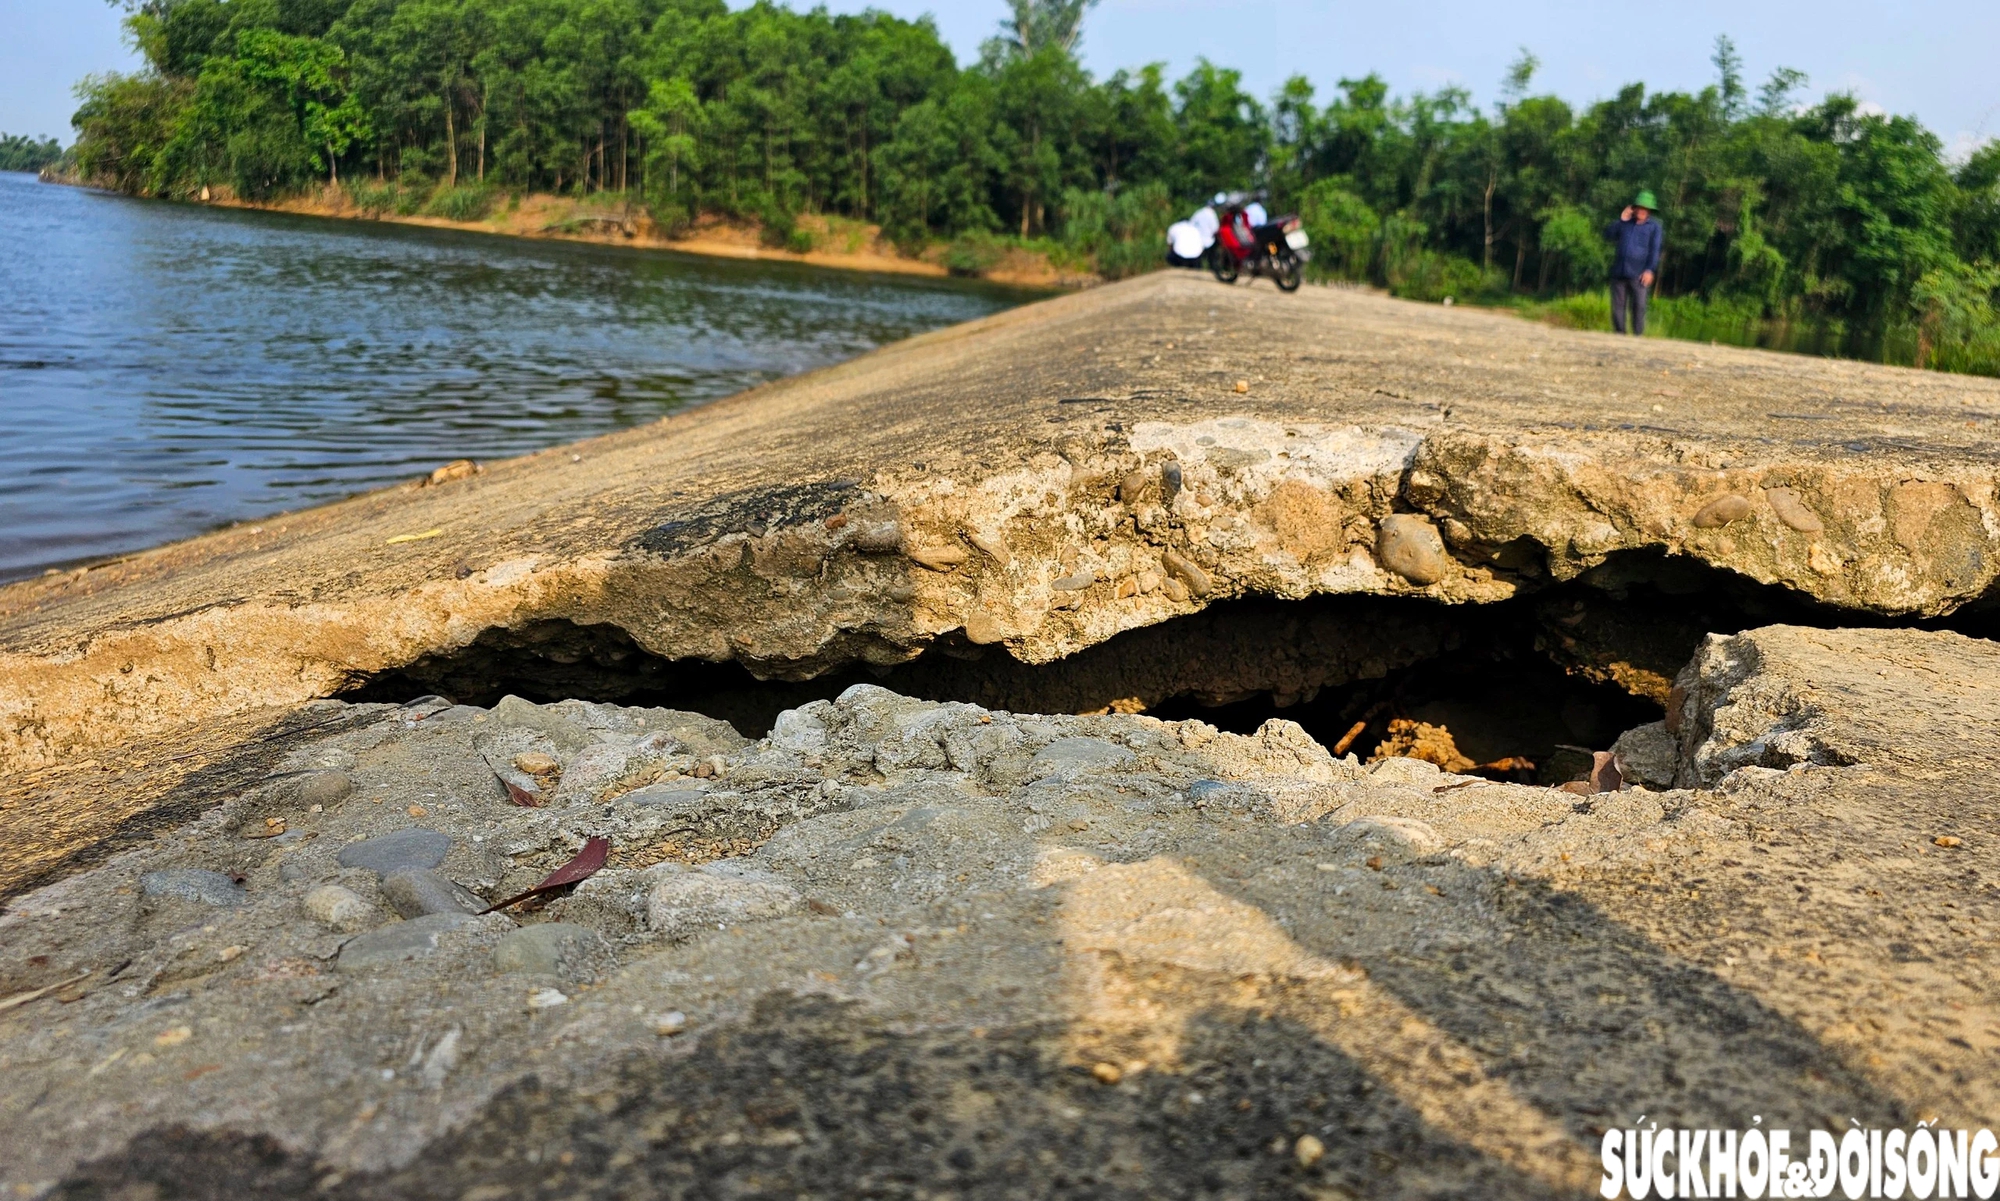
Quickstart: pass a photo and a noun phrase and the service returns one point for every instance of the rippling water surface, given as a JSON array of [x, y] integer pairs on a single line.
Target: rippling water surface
[[168, 368]]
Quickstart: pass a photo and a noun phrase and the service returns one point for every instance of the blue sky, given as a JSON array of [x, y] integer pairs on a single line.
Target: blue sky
[[1931, 58]]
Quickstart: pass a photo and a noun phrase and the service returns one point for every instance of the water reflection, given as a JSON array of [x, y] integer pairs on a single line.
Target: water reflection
[[166, 368]]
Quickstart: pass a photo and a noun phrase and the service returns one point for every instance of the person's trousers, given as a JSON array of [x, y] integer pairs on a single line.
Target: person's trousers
[[1628, 293]]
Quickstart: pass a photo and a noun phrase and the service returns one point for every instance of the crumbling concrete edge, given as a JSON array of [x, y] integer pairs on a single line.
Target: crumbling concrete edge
[[1096, 532]]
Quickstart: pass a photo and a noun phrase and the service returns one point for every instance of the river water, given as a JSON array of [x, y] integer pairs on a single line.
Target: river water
[[165, 368]]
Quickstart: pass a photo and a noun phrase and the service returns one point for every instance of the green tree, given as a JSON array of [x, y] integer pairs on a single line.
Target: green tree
[[19, 153], [1037, 25], [310, 76], [1223, 136], [669, 125], [1343, 229]]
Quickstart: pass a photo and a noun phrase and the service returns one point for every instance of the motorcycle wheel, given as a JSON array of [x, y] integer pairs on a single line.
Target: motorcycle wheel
[[1223, 264], [1289, 274]]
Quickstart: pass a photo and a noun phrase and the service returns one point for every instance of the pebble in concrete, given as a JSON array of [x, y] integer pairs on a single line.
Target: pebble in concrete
[[566, 735], [422, 891], [405, 850], [879, 539], [1182, 569], [936, 558], [990, 545], [1079, 754], [684, 904], [981, 629], [1170, 482], [1201, 792], [1793, 511], [1721, 511], [1411, 547], [340, 908], [663, 796], [550, 949], [1133, 487], [1647, 753], [403, 940], [323, 787], [1405, 835], [193, 884]]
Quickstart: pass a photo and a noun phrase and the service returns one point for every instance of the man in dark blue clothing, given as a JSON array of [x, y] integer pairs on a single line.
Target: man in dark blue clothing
[[1635, 258]]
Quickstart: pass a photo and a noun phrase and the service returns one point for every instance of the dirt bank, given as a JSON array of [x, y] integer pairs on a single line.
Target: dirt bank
[[845, 245]]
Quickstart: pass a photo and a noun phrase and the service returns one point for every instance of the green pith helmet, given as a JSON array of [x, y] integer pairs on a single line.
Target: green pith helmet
[[1645, 200]]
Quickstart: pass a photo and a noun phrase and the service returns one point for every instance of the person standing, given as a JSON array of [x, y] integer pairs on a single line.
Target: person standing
[[1188, 241], [1635, 261]]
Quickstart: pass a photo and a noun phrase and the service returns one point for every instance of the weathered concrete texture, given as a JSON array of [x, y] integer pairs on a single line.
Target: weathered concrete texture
[[1044, 479], [900, 948]]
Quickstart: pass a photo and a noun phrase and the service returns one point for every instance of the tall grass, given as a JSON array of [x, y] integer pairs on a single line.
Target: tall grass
[[407, 198], [374, 199], [1736, 322], [1121, 232], [466, 202]]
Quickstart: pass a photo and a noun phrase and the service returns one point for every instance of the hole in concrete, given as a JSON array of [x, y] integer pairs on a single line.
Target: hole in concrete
[[1533, 678]]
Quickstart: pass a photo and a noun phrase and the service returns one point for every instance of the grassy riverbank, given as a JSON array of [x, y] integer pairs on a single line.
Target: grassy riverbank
[[614, 219], [1904, 343]]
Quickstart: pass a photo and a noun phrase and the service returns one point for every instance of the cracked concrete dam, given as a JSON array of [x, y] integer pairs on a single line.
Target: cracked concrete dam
[[901, 708]]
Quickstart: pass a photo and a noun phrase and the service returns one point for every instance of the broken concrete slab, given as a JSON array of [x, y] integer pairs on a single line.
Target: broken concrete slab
[[823, 521], [1450, 983]]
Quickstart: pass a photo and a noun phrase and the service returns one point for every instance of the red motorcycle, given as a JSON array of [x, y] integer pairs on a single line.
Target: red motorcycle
[[1276, 248]]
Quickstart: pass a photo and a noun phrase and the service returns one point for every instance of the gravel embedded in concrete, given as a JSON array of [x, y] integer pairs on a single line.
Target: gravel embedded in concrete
[[412, 849], [890, 903], [193, 884]]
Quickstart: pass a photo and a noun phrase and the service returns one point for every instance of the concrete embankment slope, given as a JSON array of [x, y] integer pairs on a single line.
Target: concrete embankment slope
[[897, 947], [1016, 479]]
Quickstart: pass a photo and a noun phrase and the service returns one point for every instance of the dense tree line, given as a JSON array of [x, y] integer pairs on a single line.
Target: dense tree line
[[1820, 213], [19, 153]]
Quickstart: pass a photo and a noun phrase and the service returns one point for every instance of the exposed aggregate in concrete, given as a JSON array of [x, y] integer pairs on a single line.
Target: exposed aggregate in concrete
[[900, 946]]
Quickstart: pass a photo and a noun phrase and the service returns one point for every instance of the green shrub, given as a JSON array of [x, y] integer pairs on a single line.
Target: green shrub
[[1576, 239], [1957, 324], [1120, 233], [799, 241], [1968, 341], [973, 253], [1429, 275], [779, 223], [673, 219], [411, 195], [466, 202], [19, 153], [1343, 229], [1121, 260], [370, 198]]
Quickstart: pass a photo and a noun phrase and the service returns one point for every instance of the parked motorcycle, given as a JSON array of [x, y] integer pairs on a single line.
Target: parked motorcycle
[[1277, 248]]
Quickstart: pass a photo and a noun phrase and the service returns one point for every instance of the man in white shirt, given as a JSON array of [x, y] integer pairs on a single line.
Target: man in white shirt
[[1207, 222], [1185, 244], [1189, 240]]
